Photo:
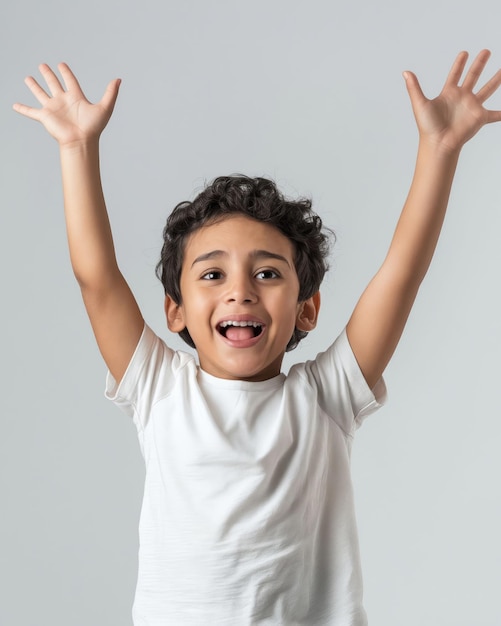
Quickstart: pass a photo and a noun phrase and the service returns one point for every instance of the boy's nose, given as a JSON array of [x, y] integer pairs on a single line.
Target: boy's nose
[[241, 291]]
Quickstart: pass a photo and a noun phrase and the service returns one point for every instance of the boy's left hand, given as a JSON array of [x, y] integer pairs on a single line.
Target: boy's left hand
[[445, 124], [457, 114]]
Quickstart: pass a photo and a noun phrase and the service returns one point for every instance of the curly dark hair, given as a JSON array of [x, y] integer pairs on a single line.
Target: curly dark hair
[[259, 199]]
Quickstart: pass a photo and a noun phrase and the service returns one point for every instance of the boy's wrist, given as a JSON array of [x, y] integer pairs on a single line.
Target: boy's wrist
[[80, 146], [435, 147]]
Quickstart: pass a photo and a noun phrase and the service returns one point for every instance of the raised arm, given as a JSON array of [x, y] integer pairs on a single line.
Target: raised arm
[[445, 124], [77, 124]]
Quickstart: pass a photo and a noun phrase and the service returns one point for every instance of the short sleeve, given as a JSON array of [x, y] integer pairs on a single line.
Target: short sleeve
[[342, 390], [150, 375]]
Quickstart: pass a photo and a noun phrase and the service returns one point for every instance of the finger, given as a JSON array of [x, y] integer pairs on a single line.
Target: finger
[[110, 95], [26, 111], [70, 80], [414, 89], [490, 87], [51, 79], [493, 116], [477, 67], [40, 94], [457, 69]]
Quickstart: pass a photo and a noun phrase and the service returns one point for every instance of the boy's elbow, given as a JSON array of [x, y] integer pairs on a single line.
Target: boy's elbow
[[96, 279]]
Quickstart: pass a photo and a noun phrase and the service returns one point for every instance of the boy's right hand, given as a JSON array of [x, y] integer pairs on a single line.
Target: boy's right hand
[[67, 114], [77, 124]]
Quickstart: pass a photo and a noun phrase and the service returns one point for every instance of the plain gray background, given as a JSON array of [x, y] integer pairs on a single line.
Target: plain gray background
[[311, 94]]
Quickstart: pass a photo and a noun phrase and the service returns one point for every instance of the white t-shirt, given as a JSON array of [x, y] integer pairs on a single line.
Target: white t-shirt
[[248, 514]]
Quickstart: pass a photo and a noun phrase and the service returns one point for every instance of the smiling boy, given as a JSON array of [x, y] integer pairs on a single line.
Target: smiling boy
[[242, 271], [248, 514]]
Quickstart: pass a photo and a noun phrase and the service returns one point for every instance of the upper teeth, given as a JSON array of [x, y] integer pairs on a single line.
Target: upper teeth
[[233, 323]]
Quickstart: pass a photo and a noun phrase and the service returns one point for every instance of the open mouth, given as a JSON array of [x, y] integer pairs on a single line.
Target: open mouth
[[238, 331]]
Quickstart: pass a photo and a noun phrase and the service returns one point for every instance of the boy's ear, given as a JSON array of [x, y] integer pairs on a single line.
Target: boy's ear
[[307, 314], [175, 315]]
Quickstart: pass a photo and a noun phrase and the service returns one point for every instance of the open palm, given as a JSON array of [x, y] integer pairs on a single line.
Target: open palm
[[66, 113], [457, 114]]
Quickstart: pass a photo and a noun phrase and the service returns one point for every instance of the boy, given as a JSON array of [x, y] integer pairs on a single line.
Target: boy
[[248, 513]]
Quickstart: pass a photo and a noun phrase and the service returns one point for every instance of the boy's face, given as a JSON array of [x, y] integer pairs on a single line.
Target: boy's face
[[242, 271]]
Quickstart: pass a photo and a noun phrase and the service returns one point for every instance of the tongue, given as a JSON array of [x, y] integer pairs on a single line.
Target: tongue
[[238, 333]]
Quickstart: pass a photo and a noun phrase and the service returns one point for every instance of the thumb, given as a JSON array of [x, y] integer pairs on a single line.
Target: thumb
[[414, 90], [110, 95]]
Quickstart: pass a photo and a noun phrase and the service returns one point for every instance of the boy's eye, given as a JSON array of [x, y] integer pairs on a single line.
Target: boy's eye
[[212, 275], [267, 274]]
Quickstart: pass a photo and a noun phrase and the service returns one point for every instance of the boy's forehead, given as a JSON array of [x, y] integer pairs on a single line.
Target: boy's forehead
[[240, 233]]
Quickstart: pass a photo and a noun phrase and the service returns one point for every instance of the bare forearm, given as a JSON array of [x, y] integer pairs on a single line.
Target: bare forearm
[[77, 124], [382, 311], [445, 124], [422, 217], [89, 234]]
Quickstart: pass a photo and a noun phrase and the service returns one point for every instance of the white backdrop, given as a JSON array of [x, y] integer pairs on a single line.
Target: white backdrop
[[310, 94]]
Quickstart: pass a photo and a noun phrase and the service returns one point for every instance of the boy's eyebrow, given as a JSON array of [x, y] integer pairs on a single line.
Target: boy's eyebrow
[[208, 255], [255, 254], [266, 254]]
